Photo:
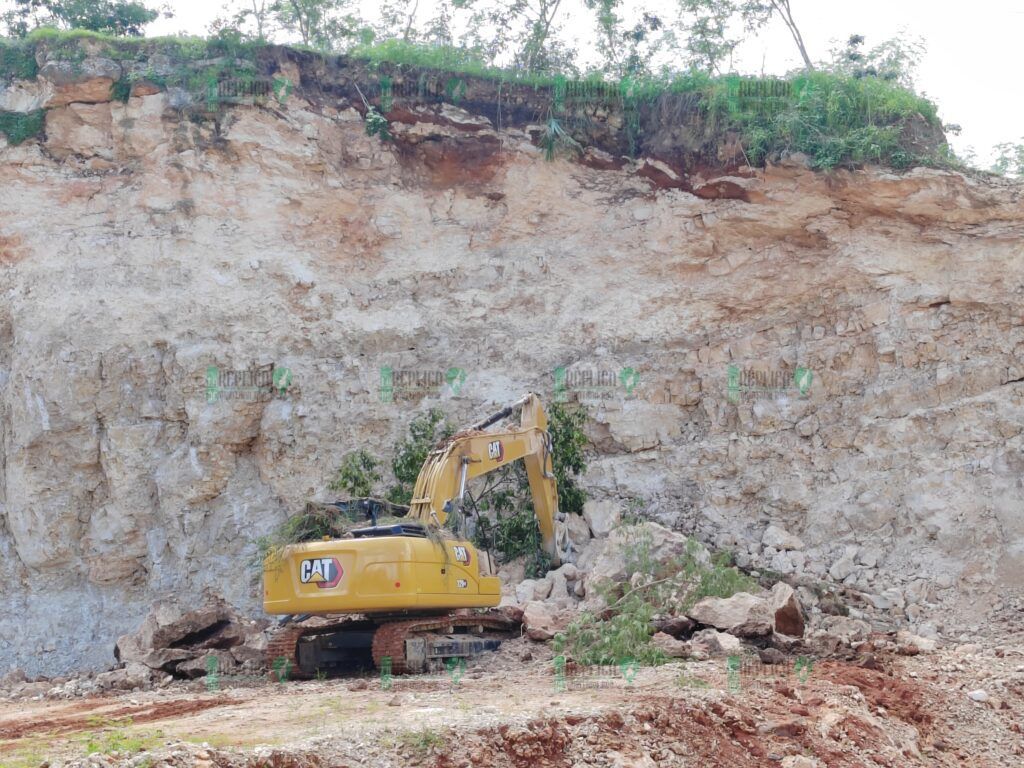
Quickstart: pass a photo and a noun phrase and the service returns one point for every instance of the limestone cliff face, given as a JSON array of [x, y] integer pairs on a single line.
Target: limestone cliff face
[[139, 248]]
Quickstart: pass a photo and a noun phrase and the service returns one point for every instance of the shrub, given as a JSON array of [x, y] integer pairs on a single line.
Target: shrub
[[623, 631], [19, 127]]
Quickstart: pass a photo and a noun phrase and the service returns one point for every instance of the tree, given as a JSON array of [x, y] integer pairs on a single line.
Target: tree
[[1009, 159], [782, 7], [895, 59], [628, 50], [320, 23], [252, 19], [398, 19], [528, 28], [114, 17]]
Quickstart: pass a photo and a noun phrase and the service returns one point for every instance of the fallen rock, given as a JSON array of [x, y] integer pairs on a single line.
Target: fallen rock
[[132, 675], [213, 662], [980, 695], [676, 626], [671, 647], [513, 572], [715, 643], [602, 516], [843, 567], [742, 615], [525, 590], [785, 643], [787, 617], [800, 761], [909, 644], [579, 531], [845, 629], [771, 656], [171, 634], [542, 621]]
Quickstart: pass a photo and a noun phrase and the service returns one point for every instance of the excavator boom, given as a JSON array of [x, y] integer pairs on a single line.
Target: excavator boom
[[441, 484]]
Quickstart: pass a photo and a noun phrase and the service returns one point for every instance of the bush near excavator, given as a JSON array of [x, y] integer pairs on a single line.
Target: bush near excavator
[[623, 630]]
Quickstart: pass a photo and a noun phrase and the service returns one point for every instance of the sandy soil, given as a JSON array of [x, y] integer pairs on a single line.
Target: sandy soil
[[514, 709]]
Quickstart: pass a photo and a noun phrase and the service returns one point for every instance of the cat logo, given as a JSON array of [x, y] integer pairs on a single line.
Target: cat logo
[[325, 572], [461, 554], [495, 451]]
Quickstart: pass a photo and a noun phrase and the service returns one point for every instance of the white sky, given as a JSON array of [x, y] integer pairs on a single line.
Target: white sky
[[968, 70]]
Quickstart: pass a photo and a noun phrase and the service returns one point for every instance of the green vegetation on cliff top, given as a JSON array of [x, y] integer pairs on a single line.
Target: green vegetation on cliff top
[[835, 119]]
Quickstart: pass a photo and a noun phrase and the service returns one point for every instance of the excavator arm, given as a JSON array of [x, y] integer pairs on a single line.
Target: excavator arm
[[441, 484]]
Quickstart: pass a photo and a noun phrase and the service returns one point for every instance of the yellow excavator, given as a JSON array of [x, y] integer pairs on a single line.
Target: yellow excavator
[[403, 595]]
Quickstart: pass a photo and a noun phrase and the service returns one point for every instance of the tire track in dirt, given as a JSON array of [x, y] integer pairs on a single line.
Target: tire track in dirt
[[141, 713]]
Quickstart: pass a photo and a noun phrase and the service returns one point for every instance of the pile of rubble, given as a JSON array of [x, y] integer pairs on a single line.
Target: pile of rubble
[[792, 616], [191, 643], [174, 642]]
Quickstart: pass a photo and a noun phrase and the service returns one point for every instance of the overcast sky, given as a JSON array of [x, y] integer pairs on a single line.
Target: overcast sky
[[969, 69]]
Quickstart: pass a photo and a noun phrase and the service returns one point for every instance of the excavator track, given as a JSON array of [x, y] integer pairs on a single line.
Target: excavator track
[[389, 640], [282, 657], [282, 654]]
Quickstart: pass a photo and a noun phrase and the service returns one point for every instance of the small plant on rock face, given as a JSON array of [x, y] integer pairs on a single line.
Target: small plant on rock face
[[377, 124], [555, 139]]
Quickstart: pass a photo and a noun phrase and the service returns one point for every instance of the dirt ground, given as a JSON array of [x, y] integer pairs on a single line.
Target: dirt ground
[[516, 708]]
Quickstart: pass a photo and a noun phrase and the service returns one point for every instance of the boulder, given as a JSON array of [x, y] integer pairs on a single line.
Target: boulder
[[218, 662], [715, 643], [579, 531], [542, 621], [172, 633], [777, 537], [788, 618], [676, 626], [676, 649], [132, 675], [905, 641], [844, 566], [525, 590], [512, 572], [742, 615], [845, 629], [602, 516]]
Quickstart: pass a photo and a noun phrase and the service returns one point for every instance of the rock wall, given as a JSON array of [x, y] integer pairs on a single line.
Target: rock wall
[[838, 357]]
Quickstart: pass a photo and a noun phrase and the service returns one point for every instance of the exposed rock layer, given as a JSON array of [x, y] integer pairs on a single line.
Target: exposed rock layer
[[138, 248]]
